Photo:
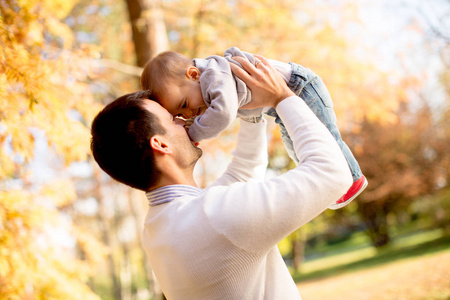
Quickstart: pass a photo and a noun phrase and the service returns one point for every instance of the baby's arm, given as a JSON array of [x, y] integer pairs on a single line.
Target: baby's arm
[[219, 90], [234, 51]]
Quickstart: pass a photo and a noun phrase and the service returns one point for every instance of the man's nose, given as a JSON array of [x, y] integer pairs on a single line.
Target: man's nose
[[180, 121]]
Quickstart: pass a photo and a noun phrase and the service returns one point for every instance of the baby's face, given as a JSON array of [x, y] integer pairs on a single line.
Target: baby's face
[[183, 99]]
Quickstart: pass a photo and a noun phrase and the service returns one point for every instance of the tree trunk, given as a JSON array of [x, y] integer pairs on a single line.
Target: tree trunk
[[198, 20], [298, 249], [104, 223], [149, 33], [375, 218], [126, 273], [148, 29], [138, 213]]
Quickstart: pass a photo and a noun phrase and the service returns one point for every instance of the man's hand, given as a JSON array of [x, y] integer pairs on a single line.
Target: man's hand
[[267, 85]]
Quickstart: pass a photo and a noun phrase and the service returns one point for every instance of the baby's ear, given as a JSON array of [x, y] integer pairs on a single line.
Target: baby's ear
[[193, 73]]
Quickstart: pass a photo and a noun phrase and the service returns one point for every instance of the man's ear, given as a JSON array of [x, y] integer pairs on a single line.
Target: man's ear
[[159, 145], [193, 73]]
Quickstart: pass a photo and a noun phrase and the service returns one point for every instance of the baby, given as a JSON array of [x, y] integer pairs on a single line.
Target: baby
[[207, 90]]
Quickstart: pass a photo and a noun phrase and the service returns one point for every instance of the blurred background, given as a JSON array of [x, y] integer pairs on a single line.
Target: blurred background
[[68, 231]]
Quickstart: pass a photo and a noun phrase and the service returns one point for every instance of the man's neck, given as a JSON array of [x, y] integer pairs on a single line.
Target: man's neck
[[173, 173], [173, 177]]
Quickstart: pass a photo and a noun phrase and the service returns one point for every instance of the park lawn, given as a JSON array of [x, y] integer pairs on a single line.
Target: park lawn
[[338, 260], [414, 266], [425, 277]]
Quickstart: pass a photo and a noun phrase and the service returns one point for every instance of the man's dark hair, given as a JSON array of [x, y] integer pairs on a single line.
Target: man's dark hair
[[120, 141]]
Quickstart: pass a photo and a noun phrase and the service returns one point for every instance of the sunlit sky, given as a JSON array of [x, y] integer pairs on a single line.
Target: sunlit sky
[[401, 31]]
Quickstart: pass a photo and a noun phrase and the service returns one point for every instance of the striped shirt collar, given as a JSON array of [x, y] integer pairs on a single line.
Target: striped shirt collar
[[170, 192]]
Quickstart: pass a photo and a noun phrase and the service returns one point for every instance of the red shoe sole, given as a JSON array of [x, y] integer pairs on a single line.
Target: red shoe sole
[[357, 187]]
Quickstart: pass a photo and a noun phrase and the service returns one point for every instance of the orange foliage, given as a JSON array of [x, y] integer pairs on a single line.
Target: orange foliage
[[41, 88]]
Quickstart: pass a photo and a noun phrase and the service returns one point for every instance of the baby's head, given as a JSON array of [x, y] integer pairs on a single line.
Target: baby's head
[[175, 84]]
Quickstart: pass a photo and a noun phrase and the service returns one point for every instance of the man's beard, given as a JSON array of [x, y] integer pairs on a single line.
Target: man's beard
[[198, 153], [189, 154]]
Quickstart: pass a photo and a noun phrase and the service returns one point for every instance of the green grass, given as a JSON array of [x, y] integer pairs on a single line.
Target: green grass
[[357, 256], [358, 240]]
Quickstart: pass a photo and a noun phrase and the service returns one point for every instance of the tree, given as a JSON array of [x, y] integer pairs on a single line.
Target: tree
[[148, 29], [408, 166], [42, 98], [406, 158]]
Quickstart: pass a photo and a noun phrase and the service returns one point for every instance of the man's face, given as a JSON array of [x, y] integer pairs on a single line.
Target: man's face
[[183, 99], [185, 149]]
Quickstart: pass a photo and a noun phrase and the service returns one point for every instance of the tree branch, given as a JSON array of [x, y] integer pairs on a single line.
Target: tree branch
[[121, 67]]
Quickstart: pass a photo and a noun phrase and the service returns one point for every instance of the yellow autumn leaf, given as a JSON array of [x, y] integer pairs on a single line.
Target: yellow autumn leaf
[[95, 250], [60, 9], [61, 30], [59, 191]]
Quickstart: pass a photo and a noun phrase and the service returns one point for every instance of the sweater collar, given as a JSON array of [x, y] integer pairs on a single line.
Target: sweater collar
[[170, 192]]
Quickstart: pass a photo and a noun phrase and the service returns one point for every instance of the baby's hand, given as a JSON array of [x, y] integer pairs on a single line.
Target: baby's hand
[[267, 85], [189, 122]]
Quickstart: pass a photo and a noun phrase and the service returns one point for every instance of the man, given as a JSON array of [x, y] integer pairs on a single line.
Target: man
[[220, 243]]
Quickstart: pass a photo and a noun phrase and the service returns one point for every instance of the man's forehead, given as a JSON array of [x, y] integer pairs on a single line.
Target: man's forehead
[[152, 105], [156, 108]]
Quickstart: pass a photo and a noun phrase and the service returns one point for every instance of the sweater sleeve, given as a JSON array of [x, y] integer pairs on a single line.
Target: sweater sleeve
[[250, 156], [235, 51], [257, 215], [219, 90]]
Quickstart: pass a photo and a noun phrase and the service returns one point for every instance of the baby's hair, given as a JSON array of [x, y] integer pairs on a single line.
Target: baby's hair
[[167, 66]]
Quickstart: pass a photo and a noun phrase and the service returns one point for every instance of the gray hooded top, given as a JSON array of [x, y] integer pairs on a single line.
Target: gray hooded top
[[223, 93]]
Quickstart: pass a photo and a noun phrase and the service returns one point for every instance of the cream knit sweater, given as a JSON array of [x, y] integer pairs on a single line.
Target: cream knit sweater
[[221, 242]]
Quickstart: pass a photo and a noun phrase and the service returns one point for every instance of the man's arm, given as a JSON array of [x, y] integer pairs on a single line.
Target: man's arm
[[256, 216], [250, 156]]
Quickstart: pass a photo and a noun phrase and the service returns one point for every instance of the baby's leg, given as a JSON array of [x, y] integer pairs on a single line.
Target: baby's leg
[[287, 141], [313, 91]]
